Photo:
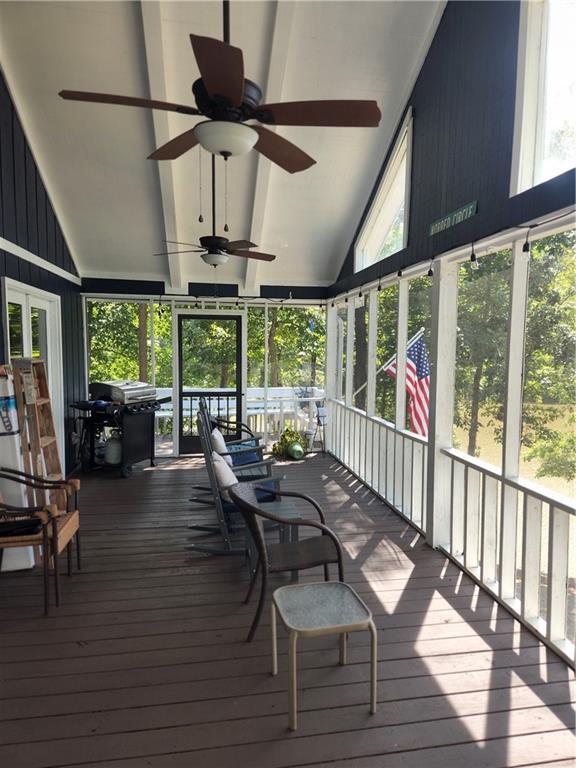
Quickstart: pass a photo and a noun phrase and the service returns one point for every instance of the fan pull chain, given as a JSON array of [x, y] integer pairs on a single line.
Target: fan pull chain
[[200, 218], [226, 227]]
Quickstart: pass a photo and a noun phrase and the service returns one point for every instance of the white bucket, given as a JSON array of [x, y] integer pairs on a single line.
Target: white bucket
[[19, 558]]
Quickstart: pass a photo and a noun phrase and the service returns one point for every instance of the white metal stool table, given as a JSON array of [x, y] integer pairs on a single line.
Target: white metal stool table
[[321, 608]]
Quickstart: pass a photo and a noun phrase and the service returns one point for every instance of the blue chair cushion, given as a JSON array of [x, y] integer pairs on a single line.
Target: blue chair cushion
[[245, 458]]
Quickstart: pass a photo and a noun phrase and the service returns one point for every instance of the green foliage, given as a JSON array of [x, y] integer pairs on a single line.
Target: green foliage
[[296, 339], [289, 436], [556, 453], [113, 340]]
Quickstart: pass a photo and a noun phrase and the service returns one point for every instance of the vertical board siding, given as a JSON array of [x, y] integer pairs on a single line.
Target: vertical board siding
[[28, 219], [463, 104]]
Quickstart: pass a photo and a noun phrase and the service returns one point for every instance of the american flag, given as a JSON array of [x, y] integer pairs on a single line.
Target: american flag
[[417, 384]]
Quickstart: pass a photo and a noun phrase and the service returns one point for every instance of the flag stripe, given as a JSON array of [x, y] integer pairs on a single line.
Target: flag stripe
[[417, 384]]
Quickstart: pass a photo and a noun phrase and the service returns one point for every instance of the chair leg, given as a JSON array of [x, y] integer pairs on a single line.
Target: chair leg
[[293, 682], [274, 640], [259, 609], [46, 569], [252, 582], [69, 557], [373, 667], [343, 648], [77, 537], [56, 561]]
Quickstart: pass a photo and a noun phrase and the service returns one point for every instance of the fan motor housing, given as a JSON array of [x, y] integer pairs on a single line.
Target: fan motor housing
[[219, 108], [213, 242]]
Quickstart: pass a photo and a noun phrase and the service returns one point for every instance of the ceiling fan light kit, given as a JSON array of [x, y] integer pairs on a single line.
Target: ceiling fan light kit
[[221, 137], [217, 259]]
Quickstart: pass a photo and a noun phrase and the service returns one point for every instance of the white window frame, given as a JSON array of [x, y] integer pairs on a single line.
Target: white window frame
[[528, 146], [404, 140]]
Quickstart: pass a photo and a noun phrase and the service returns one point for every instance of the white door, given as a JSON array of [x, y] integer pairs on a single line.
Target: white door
[[33, 328]]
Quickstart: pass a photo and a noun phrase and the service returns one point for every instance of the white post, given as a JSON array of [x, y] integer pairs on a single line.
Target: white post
[[244, 365], [331, 370], [152, 344], [266, 373], [349, 353], [372, 339], [402, 341], [513, 420], [443, 355], [558, 534]]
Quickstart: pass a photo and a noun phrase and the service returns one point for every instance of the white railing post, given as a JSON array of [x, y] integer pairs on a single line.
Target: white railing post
[[442, 363], [532, 537], [513, 421], [558, 536]]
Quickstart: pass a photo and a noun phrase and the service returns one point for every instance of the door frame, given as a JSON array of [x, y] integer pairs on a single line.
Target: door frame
[[240, 314], [15, 292]]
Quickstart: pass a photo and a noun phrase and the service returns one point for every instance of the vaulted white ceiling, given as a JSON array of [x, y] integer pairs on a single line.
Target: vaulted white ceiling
[[116, 207]]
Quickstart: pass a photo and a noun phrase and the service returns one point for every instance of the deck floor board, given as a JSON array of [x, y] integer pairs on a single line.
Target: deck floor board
[[145, 664]]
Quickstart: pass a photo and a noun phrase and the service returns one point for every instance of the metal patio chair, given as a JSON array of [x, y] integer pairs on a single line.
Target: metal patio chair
[[289, 555], [228, 518]]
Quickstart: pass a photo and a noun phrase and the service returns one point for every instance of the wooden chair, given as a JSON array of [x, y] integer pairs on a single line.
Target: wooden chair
[[285, 556], [64, 522], [29, 527]]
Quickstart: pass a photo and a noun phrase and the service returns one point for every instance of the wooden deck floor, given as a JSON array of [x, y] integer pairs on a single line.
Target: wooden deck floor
[[145, 662]]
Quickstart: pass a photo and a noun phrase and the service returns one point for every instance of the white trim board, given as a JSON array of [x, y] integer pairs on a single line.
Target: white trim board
[[22, 253]]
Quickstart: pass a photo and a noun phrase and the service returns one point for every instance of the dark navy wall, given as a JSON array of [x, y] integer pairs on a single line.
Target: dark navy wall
[[28, 219], [463, 104], [200, 290]]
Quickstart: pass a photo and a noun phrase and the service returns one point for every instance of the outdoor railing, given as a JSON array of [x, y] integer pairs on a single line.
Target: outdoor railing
[[515, 538], [390, 461]]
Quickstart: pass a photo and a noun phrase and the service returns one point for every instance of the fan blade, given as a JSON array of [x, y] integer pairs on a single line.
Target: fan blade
[[253, 255], [221, 68], [174, 253], [178, 242], [345, 114], [233, 244], [281, 151], [176, 147], [127, 101]]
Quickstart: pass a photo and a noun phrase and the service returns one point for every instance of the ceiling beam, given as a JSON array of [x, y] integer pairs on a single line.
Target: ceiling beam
[[273, 93], [152, 24]]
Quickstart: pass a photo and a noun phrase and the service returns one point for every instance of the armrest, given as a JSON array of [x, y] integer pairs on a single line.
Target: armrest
[[298, 521], [296, 495], [74, 482], [39, 483], [253, 465], [235, 425], [255, 440], [247, 449], [45, 513]]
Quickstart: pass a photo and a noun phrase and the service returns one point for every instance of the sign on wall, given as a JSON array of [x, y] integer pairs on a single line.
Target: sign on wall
[[456, 217]]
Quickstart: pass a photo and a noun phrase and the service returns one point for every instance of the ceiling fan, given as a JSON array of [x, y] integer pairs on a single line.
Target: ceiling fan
[[216, 250], [228, 100]]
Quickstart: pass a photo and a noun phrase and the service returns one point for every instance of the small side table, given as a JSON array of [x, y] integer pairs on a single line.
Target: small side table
[[321, 608]]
